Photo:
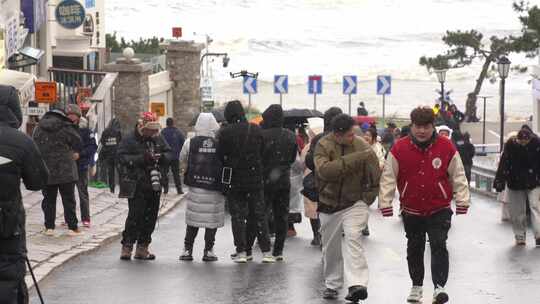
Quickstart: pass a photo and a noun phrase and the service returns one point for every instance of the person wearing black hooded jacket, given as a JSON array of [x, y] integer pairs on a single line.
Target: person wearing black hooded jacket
[[329, 115], [19, 159], [110, 139], [279, 154], [242, 146]]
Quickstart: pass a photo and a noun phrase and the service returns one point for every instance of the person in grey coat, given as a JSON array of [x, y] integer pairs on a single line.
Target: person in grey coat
[[59, 142], [205, 203]]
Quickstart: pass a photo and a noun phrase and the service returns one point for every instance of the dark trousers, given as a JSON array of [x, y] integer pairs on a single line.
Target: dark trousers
[[13, 288], [277, 205], [174, 166], [468, 169], [67, 192], [142, 216], [191, 234], [84, 198], [248, 213], [436, 227], [109, 165]]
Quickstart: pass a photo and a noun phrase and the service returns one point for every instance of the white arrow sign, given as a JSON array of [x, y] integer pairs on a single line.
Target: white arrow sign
[[248, 85], [280, 82], [351, 85], [383, 85]]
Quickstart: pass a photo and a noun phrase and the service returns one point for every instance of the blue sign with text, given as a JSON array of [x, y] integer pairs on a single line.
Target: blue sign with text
[[70, 14]]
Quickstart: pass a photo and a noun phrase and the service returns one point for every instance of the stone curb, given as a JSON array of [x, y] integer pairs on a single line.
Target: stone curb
[[46, 267]]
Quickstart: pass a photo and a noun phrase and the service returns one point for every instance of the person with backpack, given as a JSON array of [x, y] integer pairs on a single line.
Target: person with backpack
[[110, 139], [202, 162], [20, 159]]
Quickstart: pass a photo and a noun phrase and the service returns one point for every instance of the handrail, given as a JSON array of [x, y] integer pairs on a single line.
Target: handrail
[[483, 176], [77, 71], [104, 87]]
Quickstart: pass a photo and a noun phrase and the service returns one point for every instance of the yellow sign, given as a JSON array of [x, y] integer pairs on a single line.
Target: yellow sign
[[45, 91], [2, 49], [158, 108]]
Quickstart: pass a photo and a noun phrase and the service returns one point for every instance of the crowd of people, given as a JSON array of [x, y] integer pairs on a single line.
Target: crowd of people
[[264, 175]]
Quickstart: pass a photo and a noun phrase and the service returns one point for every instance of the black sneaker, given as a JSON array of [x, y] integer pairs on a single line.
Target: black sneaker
[[538, 242], [330, 294], [356, 293], [249, 256], [209, 256], [316, 240], [179, 191], [187, 255]]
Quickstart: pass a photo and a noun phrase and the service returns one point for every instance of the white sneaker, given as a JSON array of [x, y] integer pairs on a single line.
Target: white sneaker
[[440, 296], [48, 232], [240, 258], [76, 232], [416, 294], [268, 258]]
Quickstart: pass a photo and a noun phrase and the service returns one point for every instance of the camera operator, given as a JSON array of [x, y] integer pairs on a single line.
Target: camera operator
[[19, 159], [139, 156]]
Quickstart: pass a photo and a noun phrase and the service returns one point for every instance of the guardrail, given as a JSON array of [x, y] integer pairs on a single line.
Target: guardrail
[[483, 178], [485, 149]]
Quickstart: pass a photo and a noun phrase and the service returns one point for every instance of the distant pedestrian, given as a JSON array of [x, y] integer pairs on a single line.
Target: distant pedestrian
[[242, 146], [428, 173], [175, 138], [343, 162], [19, 160], [466, 152], [58, 139], [361, 110], [202, 162], [110, 139], [140, 155], [86, 165], [519, 173], [389, 136], [445, 131]]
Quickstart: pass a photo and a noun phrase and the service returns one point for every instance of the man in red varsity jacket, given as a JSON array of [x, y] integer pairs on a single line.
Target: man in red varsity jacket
[[428, 173]]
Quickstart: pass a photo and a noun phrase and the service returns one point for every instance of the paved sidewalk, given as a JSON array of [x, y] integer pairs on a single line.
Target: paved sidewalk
[[108, 215]]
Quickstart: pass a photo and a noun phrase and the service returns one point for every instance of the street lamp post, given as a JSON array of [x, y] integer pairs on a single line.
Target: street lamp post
[[503, 67], [485, 97], [441, 76]]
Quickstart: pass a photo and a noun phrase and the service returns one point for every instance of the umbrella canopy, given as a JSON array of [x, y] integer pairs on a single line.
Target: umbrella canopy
[[300, 116], [218, 114]]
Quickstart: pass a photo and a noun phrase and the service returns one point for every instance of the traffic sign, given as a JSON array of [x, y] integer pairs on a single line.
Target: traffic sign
[[350, 85], [249, 84], [315, 84], [281, 84], [384, 85], [45, 91], [158, 108], [177, 32]]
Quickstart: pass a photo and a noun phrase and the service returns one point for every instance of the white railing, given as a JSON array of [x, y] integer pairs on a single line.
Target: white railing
[[101, 110]]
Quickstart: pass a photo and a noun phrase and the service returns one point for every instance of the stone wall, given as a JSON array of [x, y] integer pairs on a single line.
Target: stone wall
[[132, 91], [183, 63]]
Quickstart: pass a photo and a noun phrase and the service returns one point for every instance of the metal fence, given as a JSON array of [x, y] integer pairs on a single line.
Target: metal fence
[[483, 178], [71, 82]]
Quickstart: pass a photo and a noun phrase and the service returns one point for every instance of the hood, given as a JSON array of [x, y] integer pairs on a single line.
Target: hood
[[273, 117], [53, 121], [234, 112], [10, 107], [114, 124], [329, 115], [206, 125]]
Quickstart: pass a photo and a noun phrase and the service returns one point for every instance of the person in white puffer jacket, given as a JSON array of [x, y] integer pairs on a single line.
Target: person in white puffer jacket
[[205, 204]]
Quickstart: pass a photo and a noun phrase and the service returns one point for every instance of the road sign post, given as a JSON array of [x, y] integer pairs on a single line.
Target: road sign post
[[350, 86], [384, 87], [315, 87], [281, 86]]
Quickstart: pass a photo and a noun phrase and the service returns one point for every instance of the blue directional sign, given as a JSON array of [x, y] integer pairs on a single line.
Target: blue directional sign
[[350, 85], [281, 84], [315, 84], [384, 85], [249, 85]]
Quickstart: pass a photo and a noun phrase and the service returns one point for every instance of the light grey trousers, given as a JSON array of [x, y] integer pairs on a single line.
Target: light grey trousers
[[517, 206], [343, 253]]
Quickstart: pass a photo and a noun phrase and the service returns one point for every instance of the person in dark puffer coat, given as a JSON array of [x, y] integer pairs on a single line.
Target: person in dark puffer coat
[[110, 139], [60, 144], [242, 146], [19, 159]]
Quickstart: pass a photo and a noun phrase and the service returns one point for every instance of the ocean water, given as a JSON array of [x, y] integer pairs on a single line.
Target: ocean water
[[333, 38]]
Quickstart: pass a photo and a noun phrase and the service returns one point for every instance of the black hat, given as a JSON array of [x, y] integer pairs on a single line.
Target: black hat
[[524, 134]]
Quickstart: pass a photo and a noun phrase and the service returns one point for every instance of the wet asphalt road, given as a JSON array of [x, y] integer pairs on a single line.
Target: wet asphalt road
[[485, 267]]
